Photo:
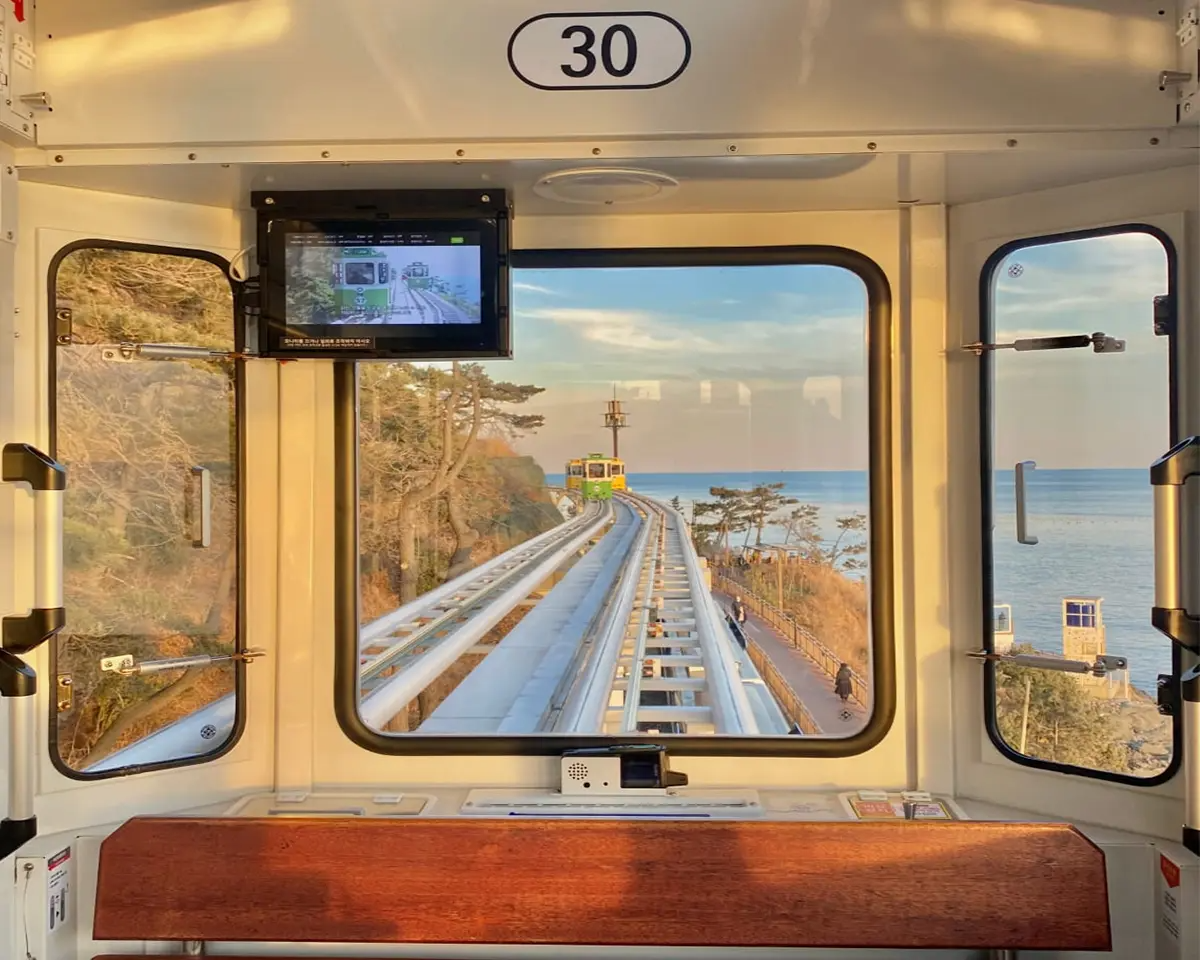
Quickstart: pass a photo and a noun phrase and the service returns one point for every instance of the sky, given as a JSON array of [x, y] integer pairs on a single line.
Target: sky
[[719, 368], [761, 369], [1070, 409]]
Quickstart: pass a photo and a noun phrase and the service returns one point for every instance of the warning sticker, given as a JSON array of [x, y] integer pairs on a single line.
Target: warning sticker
[[58, 886], [876, 810], [932, 810], [327, 343]]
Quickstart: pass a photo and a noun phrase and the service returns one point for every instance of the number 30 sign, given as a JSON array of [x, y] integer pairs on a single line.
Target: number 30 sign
[[599, 51]]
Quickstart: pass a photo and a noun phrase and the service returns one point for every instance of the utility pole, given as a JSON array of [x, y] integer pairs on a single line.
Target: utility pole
[[616, 420]]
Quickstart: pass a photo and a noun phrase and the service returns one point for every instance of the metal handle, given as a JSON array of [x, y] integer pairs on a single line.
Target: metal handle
[[202, 532], [48, 480], [1168, 474], [1022, 525]]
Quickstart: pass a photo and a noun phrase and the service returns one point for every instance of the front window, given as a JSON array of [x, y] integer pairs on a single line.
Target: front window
[[360, 274], [492, 606]]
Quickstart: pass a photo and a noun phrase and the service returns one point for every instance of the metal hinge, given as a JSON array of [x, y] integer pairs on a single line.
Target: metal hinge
[[1166, 316], [62, 325], [127, 667], [64, 692], [1099, 342], [1170, 691], [1102, 666]]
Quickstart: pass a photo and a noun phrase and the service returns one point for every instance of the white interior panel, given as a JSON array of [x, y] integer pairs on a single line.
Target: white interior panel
[[220, 71]]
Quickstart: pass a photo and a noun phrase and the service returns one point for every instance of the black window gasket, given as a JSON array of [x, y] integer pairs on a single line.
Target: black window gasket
[[882, 583], [987, 279], [239, 683]]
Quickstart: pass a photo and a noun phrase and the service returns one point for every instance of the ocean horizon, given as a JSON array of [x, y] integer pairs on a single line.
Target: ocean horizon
[[1095, 535]]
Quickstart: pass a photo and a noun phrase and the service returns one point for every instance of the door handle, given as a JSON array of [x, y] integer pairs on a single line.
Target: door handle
[[1168, 474], [1022, 524], [202, 529]]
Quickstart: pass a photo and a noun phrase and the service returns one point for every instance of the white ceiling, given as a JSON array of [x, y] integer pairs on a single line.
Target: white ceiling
[[713, 185]]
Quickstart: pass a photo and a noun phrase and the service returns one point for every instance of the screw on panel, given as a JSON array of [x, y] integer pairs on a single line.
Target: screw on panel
[[191, 156], [460, 153], [872, 145], [269, 201], [1010, 143], [485, 199], [732, 148], [58, 158], [595, 151], [325, 154], [1154, 141]]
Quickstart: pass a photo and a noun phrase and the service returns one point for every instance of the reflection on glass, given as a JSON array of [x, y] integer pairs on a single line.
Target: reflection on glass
[[136, 438], [1093, 423], [522, 574]]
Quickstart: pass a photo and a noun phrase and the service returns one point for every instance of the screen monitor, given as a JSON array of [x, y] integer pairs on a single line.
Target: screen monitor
[[407, 278]]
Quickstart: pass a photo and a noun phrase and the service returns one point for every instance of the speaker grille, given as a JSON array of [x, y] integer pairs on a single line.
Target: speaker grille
[[577, 771]]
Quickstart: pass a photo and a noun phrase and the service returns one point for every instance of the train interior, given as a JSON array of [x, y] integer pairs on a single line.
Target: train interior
[[806, 568]]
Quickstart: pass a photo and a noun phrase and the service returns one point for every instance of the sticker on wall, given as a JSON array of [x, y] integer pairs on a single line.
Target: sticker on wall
[[58, 886], [599, 51]]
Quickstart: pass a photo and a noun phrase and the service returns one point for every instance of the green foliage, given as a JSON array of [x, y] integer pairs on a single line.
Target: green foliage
[[1066, 724], [310, 294]]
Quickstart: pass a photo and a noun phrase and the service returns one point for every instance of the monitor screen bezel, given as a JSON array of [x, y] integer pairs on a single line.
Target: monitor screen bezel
[[488, 339]]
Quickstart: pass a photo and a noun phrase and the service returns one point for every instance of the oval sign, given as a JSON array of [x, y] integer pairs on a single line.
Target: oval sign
[[599, 51]]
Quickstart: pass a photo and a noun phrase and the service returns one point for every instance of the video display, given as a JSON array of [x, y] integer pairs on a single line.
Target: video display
[[381, 278]]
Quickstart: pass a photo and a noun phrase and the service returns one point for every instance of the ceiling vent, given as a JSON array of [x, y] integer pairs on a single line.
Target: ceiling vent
[[605, 185]]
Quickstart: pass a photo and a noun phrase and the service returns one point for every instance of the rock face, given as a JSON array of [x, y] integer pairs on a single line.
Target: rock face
[[1145, 731]]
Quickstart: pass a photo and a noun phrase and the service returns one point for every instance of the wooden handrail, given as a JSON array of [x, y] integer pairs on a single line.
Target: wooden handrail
[[670, 883]]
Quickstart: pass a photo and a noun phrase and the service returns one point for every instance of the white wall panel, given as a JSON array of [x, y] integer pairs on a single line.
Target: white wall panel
[[255, 71]]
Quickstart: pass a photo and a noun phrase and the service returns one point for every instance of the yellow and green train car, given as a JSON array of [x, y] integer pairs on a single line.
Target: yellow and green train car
[[596, 476]]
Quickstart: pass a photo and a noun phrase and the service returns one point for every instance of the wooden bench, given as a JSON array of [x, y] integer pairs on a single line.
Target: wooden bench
[[659, 883]]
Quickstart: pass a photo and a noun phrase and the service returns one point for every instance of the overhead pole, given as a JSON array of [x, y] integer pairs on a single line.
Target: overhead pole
[[616, 420]]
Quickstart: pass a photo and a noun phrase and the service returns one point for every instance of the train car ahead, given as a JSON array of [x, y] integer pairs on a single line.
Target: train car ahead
[[596, 476], [362, 282]]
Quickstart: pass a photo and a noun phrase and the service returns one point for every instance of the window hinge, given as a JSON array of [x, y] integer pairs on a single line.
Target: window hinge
[[1166, 316], [1170, 691], [1099, 342], [62, 325], [1102, 666], [127, 667]]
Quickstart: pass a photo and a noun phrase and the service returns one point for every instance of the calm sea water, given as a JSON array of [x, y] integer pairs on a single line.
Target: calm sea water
[[1095, 539]]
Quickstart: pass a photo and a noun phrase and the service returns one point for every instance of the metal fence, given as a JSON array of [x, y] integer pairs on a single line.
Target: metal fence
[[787, 698], [797, 636]]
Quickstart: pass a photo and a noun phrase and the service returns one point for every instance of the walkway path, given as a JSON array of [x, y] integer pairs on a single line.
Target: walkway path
[[810, 683]]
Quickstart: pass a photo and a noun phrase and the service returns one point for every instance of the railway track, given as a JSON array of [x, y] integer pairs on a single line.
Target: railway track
[[630, 641], [404, 651]]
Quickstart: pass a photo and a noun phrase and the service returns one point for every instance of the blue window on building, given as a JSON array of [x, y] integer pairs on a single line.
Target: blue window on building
[[1081, 614]]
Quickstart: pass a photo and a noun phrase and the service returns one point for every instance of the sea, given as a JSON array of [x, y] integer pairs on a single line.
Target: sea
[[1095, 533]]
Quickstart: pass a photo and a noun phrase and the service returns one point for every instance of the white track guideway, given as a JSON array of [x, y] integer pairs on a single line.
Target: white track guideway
[[478, 599], [705, 674]]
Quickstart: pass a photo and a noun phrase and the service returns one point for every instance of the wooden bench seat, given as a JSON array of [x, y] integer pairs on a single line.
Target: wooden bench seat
[[964, 885]]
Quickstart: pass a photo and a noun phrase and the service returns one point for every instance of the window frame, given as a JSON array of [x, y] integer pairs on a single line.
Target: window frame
[[239, 451], [879, 374], [987, 279]]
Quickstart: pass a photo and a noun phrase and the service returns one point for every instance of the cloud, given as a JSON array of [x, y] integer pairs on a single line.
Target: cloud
[[534, 288]]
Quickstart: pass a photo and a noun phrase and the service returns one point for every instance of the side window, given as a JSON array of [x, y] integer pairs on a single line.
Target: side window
[[1070, 571], [150, 542]]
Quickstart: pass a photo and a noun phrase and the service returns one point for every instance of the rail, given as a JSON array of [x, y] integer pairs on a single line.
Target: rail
[[800, 638], [422, 639]]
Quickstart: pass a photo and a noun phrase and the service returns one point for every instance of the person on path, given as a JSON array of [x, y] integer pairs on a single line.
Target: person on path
[[842, 685]]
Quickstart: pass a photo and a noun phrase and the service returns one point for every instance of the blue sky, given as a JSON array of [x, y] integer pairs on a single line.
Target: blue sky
[[720, 368], [763, 368], [1075, 408]]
